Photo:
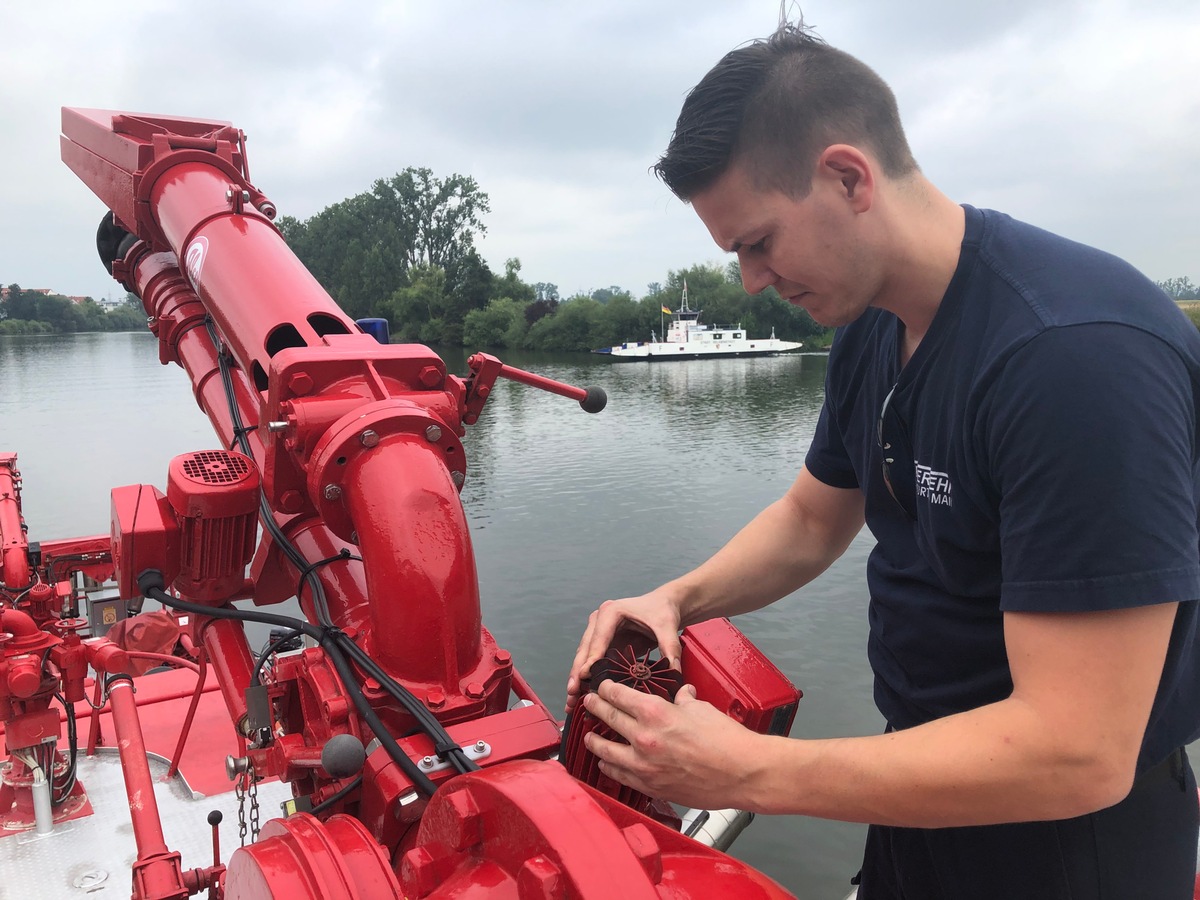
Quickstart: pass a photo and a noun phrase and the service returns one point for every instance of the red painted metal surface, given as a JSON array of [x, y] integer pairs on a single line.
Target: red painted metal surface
[[157, 872], [532, 831], [14, 563]]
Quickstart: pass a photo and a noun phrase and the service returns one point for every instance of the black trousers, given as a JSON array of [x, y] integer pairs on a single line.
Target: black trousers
[[1144, 848]]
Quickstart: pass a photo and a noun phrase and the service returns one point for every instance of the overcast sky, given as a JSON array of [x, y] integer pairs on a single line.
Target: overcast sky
[[1081, 117]]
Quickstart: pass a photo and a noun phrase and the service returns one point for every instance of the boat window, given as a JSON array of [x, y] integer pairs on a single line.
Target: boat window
[[717, 336], [737, 335]]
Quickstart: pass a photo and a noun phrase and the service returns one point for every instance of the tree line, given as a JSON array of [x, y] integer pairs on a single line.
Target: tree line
[[33, 312], [1180, 288], [405, 251]]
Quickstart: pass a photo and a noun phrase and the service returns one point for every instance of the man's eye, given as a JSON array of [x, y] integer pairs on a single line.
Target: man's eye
[[758, 246]]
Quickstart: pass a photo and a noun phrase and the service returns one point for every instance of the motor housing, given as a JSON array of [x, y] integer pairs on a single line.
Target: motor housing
[[214, 494], [724, 667], [200, 535]]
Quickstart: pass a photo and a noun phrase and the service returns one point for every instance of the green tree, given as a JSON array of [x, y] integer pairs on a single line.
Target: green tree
[[22, 304], [511, 284], [500, 324], [574, 326], [417, 311], [545, 290], [126, 318], [1180, 288], [362, 249], [604, 295], [438, 219], [469, 287]]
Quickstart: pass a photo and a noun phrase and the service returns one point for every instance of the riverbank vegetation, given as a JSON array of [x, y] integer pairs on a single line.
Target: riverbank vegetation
[[38, 312], [405, 251]]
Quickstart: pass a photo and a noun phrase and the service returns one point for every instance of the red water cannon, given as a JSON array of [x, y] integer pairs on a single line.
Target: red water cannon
[[200, 535]]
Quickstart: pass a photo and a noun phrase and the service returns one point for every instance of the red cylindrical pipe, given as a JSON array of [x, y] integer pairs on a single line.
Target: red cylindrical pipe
[[229, 654], [344, 582], [420, 567], [186, 728], [169, 298], [230, 255], [139, 784], [14, 564], [20, 625]]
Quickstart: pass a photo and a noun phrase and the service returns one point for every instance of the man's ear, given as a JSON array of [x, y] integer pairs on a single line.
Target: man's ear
[[850, 172]]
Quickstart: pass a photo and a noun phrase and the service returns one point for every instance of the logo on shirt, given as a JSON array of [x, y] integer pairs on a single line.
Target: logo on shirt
[[934, 487]]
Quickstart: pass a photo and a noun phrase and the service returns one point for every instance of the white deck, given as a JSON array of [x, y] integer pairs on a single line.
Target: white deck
[[91, 857]]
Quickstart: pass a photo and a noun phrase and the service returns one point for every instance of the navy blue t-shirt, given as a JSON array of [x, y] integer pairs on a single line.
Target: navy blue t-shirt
[[1049, 417]]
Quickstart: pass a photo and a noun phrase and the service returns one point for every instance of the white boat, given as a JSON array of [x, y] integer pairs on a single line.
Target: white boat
[[686, 338]]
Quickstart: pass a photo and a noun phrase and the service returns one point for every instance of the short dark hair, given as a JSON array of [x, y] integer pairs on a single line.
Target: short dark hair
[[774, 105]]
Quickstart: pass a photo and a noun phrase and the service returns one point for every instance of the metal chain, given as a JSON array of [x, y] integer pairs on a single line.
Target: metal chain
[[253, 791], [247, 786], [239, 791]]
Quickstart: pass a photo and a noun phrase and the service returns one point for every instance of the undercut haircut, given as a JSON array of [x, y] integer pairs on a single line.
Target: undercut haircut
[[772, 106]]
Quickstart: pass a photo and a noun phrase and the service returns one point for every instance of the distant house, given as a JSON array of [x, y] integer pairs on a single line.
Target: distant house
[[46, 292]]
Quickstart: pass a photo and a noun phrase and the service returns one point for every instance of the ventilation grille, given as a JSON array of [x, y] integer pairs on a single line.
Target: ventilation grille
[[215, 467]]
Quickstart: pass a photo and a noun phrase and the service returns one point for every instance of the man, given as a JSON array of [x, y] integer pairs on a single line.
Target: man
[[1014, 417]]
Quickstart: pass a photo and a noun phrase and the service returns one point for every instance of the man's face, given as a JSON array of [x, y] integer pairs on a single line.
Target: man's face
[[811, 250]]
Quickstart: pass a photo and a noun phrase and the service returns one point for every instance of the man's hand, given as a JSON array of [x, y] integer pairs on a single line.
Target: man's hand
[[655, 614], [687, 752]]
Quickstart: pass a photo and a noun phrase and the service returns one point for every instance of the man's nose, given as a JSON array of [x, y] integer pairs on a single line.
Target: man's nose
[[756, 277]]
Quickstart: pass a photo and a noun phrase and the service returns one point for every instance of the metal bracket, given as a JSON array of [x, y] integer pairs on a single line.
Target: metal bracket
[[474, 752]]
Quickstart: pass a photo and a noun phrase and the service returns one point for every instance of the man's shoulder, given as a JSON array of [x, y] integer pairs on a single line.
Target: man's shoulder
[[1060, 281]]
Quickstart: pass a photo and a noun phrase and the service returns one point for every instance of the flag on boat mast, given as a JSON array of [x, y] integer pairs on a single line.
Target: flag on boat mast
[[667, 311]]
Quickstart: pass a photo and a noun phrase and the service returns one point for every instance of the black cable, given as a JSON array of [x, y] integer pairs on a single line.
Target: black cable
[[266, 515], [223, 612], [239, 435], [310, 568], [271, 648], [325, 636], [394, 750], [64, 790], [329, 801], [98, 556], [444, 745]]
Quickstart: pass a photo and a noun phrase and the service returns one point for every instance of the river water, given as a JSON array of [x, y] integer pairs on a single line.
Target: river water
[[566, 509]]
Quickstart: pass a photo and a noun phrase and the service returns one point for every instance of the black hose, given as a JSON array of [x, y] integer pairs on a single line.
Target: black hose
[[271, 648], [59, 794], [329, 643], [329, 801]]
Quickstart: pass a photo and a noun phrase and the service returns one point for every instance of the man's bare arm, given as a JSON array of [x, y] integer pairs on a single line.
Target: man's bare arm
[[784, 547], [1063, 744]]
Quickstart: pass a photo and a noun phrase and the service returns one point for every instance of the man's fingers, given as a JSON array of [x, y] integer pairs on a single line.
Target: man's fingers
[[584, 643], [601, 705], [671, 648]]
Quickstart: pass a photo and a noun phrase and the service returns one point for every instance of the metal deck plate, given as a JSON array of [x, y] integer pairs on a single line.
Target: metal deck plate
[[92, 857]]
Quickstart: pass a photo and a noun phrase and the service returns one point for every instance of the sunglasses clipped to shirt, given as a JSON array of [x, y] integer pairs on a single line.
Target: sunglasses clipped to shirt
[[896, 449]]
